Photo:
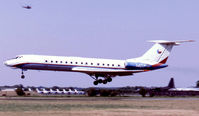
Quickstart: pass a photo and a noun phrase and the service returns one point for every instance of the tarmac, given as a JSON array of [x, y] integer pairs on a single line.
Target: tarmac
[[77, 98]]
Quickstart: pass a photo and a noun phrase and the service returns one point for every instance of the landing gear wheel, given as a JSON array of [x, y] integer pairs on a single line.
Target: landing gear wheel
[[109, 79], [95, 82], [22, 76], [100, 81], [104, 81]]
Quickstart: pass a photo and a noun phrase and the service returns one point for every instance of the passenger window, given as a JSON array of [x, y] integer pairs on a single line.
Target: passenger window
[[56, 61], [91, 63], [81, 62], [76, 62], [103, 64], [51, 61], [66, 62], [107, 64], [112, 64], [71, 62], [118, 65], [46, 60], [60, 61], [98, 64], [86, 63]]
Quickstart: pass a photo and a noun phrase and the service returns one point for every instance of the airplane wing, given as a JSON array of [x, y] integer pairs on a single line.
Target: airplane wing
[[100, 71]]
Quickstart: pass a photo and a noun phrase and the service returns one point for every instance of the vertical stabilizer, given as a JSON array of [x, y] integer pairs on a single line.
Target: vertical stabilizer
[[171, 83], [160, 51]]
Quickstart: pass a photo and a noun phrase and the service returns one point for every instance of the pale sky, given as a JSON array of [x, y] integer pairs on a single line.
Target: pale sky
[[113, 29]]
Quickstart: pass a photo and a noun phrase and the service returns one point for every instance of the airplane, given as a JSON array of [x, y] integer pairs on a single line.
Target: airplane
[[39, 91], [71, 91], [29, 89], [79, 92], [59, 92], [101, 70], [45, 91], [27, 7], [170, 85], [65, 92], [52, 91], [171, 90], [184, 89]]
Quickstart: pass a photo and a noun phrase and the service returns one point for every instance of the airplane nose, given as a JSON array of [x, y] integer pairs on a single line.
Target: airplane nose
[[6, 63], [10, 63]]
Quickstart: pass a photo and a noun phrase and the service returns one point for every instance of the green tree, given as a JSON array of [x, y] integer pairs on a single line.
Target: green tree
[[114, 93], [20, 92], [92, 92], [143, 92], [105, 92]]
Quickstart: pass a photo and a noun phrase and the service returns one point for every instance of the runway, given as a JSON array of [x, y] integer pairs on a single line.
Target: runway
[[77, 98], [99, 106]]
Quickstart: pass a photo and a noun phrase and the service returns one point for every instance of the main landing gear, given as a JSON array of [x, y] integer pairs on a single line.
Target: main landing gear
[[22, 75], [99, 81]]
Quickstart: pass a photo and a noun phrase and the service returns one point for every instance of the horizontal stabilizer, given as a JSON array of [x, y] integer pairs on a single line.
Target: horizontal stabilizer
[[170, 42]]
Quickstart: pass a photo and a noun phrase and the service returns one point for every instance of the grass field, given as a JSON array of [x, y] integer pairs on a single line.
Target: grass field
[[85, 106]]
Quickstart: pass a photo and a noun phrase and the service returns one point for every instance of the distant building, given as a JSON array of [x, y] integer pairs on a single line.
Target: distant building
[[9, 89]]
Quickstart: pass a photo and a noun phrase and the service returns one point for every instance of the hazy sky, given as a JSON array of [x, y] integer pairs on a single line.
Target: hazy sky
[[115, 29]]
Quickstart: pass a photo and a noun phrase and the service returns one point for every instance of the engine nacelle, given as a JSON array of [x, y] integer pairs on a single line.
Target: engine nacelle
[[143, 66], [136, 66]]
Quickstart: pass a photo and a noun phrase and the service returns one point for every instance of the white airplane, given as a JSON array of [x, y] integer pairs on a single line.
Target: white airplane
[[71, 91], [154, 58], [59, 92], [39, 91], [184, 89], [45, 91], [172, 87], [52, 91], [29, 89], [65, 92], [79, 92]]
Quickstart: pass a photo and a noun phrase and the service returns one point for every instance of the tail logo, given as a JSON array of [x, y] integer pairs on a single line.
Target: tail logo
[[159, 52]]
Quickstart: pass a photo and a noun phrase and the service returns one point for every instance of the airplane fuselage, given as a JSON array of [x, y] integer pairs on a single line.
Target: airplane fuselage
[[154, 58], [79, 64], [60, 63]]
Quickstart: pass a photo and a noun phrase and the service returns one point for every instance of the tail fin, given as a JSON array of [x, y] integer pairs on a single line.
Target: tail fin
[[160, 51], [171, 83]]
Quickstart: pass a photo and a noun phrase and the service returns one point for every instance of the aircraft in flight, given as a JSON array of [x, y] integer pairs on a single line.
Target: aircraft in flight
[[27, 7], [101, 70]]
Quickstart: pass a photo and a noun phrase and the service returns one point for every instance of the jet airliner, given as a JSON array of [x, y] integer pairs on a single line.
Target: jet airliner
[[101, 70]]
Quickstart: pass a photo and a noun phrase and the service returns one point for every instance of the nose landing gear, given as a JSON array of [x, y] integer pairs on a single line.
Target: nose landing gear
[[22, 75]]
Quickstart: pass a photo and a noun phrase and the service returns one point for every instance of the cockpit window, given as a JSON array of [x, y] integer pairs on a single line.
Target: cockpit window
[[18, 57]]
